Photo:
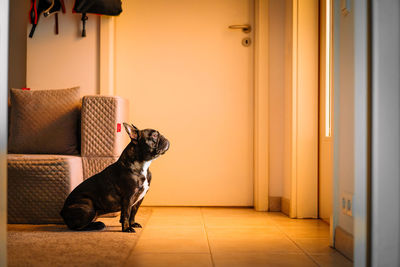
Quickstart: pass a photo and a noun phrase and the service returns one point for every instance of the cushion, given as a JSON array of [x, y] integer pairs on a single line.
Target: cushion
[[93, 165], [39, 184], [44, 121], [102, 133]]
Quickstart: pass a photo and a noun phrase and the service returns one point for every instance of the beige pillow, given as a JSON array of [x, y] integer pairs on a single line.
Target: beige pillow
[[44, 121]]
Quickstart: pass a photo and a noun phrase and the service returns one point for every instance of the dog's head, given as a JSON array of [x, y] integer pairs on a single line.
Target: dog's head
[[149, 142]]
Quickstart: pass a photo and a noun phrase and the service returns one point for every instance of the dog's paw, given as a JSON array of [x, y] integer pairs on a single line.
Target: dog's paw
[[136, 225], [129, 230]]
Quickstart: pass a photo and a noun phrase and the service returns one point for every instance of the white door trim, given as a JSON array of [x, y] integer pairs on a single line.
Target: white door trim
[[261, 179], [303, 108], [261, 131], [385, 131], [293, 154]]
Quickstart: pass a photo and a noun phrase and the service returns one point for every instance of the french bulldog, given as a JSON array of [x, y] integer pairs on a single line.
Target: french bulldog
[[119, 187]]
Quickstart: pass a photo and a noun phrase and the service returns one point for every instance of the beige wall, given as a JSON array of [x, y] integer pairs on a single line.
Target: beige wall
[[276, 96], [67, 59], [17, 44]]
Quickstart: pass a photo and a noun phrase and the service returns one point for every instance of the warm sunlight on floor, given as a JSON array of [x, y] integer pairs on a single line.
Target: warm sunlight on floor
[[180, 236], [232, 237]]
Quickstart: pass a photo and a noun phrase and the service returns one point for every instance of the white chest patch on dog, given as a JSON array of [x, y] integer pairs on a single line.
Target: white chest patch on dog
[[146, 186], [145, 167], [145, 189]]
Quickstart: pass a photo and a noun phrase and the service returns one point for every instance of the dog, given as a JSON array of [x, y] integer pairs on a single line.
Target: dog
[[119, 187]]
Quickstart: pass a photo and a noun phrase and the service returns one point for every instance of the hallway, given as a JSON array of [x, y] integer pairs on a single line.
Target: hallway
[[231, 237]]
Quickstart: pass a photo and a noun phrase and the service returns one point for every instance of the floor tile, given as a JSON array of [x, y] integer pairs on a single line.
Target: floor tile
[[172, 245], [287, 222], [261, 259], [332, 260], [264, 245], [315, 245], [306, 231], [244, 233], [175, 221], [169, 260], [174, 233], [218, 212], [235, 237], [243, 221], [176, 211], [277, 215]]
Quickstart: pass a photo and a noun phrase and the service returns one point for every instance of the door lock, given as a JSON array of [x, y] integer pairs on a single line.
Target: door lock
[[246, 41]]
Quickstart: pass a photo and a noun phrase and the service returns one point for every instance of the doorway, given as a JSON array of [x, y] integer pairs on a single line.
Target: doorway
[[188, 75], [325, 187]]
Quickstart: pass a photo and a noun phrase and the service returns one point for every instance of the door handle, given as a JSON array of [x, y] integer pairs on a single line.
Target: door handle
[[246, 28]]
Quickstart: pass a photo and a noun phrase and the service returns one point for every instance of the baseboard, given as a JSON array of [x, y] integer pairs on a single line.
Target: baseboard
[[274, 203], [285, 206], [344, 242]]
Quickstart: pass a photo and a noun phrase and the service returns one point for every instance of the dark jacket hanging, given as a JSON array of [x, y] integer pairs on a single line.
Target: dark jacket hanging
[[47, 7], [101, 7]]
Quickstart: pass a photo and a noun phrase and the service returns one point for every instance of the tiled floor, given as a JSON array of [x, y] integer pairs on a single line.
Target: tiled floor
[[232, 237]]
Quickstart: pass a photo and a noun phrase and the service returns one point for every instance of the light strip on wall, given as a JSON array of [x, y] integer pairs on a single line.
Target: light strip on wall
[[327, 69]]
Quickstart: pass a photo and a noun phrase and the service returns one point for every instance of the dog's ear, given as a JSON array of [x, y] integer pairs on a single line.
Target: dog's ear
[[135, 127], [132, 131]]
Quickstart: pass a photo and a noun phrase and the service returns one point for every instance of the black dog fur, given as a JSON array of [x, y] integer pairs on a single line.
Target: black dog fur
[[119, 187]]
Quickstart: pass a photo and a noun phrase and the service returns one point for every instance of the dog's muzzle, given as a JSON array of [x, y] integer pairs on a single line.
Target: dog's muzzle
[[163, 145]]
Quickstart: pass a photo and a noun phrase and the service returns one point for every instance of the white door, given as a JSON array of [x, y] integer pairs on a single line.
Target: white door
[[188, 75]]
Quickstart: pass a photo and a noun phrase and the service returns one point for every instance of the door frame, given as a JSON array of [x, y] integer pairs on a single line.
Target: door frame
[[325, 141], [4, 43], [302, 105], [260, 111], [384, 214]]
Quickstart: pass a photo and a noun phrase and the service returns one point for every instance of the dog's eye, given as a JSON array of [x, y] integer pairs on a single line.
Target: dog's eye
[[154, 135]]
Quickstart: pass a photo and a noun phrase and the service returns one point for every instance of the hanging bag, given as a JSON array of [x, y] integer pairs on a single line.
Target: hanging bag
[[100, 7], [47, 7]]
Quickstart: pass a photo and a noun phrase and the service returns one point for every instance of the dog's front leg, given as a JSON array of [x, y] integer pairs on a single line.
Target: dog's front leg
[[134, 210], [126, 205]]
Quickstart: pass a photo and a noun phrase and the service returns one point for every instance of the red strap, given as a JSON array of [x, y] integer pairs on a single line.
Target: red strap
[[36, 14], [34, 7]]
